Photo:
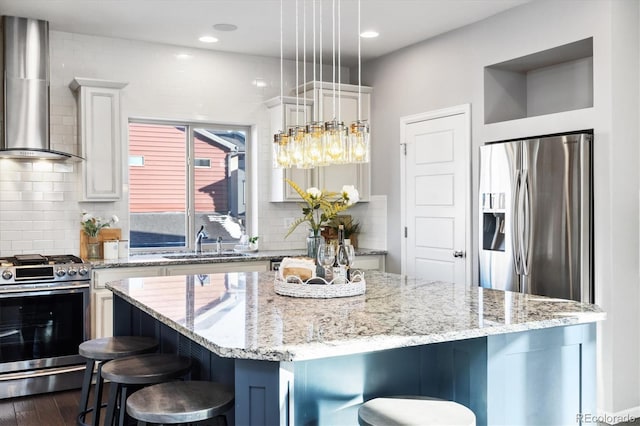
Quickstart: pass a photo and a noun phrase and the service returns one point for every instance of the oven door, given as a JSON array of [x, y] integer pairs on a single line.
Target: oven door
[[40, 331]]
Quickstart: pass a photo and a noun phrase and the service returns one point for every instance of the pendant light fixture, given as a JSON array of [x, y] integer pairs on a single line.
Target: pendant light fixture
[[314, 143], [320, 143], [335, 133], [297, 131], [281, 157], [359, 131]]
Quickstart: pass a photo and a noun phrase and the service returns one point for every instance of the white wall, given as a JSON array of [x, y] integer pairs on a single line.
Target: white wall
[[448, 70], [39, 208]]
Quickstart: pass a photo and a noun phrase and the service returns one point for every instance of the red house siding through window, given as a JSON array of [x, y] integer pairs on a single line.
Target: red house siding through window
[[159, 185]]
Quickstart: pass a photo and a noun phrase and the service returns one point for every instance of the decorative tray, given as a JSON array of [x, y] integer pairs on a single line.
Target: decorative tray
[[319, 288]]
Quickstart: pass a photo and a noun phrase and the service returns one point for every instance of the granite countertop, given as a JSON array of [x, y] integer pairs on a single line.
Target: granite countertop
[[159, 259], [239, 315]]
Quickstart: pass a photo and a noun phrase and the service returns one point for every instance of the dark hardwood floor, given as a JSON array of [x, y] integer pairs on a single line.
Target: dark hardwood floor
[[51, 409]]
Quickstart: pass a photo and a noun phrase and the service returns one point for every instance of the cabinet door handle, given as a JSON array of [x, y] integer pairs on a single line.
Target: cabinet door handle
[[458, 253]]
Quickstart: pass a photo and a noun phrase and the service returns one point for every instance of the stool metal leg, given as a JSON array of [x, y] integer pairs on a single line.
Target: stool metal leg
[[123, 405], [98, 396], [111, 405], [86, 386], [84, 396]]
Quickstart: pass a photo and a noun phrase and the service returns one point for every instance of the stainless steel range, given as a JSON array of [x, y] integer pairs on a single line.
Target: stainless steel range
[[44, 316]]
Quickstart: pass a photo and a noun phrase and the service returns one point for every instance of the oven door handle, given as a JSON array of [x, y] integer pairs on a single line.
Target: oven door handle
[[40, 373], [11, 291]]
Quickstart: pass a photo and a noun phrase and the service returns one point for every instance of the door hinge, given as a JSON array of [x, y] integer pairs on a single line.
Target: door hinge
[[406, 232], [404, 145]]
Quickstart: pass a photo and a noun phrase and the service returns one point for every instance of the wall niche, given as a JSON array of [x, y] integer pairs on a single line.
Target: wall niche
[[554, 80]]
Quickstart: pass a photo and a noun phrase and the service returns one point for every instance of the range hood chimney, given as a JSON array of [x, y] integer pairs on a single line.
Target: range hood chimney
[[25, 90]]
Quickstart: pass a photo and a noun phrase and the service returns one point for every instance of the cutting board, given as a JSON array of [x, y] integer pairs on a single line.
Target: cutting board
[[106, 234]]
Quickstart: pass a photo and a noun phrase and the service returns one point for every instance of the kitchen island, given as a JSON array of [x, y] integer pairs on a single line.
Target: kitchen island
[[511, 358]]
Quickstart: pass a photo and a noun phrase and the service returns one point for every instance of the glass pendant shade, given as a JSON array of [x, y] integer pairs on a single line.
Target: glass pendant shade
[[335, 142], [314, 146], [297, 148], [359, 142], [281, 157]]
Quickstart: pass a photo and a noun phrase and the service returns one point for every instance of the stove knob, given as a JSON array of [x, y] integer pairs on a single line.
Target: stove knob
[[61, 272], [7, 274], [72, 272], [83, 271]]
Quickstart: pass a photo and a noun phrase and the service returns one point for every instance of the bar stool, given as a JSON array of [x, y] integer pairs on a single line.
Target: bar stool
[[100, 351], [138, 371], [181, 402], [414, 410]]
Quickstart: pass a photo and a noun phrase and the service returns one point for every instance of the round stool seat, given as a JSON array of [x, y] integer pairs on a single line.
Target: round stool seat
[[414, 410], [146, 369], [108, 348], [98, 351], [138, 370], [180, 402]]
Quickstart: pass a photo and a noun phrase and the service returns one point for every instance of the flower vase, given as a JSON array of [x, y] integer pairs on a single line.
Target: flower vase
[[313, 242], [93, 248]]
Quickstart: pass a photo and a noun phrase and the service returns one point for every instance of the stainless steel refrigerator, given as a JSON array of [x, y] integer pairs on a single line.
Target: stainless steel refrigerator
[[536, 216]]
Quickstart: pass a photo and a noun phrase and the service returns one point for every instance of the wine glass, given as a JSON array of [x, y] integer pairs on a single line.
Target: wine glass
[[351, 254], [326, 255]]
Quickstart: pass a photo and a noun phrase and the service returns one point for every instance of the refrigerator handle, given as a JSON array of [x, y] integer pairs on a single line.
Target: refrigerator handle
[[515, 224], [525, 231]]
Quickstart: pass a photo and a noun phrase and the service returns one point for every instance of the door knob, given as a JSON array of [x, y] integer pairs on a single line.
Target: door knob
[[458, 253]]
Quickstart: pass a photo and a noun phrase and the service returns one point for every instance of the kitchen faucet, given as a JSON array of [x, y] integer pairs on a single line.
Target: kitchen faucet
[[202, 234]]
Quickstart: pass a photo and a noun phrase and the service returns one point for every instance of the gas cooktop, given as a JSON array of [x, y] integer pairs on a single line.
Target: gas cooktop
[[36, 268], [39, 259]]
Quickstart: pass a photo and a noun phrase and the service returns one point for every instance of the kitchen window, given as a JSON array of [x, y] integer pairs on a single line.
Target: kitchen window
[[170, 197]]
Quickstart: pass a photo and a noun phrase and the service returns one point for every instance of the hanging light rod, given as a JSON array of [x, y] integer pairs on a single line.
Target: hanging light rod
[[320, 143]]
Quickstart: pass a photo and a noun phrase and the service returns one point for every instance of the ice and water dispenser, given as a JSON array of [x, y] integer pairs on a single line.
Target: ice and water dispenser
[[493, 212]]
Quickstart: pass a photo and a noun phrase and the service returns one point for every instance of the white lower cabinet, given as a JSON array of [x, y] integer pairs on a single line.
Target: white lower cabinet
[[102, 299], [102, 314], [212, 268]]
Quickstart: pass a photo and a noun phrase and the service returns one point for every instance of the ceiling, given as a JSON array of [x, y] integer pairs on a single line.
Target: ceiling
[[181, 22]]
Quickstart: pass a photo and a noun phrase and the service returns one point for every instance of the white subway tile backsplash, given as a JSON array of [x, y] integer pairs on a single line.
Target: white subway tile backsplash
[[32, 196], [12, 235], [42, 166], [43, 245], [63, 168], [43, 186], [14, 185], [11, 196], [22, 246]]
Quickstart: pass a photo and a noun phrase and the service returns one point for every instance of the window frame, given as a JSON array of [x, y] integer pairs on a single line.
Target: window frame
[[189, 126]]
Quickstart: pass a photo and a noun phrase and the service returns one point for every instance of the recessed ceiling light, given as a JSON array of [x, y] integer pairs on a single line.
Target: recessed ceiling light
[[369, 34], [225, 27], [183, 56], [208, 39]]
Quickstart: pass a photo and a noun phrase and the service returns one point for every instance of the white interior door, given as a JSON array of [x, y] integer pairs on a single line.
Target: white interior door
[[436, 194]]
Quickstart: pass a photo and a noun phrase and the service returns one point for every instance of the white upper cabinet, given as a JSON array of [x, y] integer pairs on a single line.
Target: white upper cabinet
[[99, 133], [330, 178]]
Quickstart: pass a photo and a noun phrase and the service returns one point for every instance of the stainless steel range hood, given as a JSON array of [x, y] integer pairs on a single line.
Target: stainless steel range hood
[[25, 90]]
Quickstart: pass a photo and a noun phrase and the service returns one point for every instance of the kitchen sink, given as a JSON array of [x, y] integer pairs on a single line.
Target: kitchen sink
[[203, 255]]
